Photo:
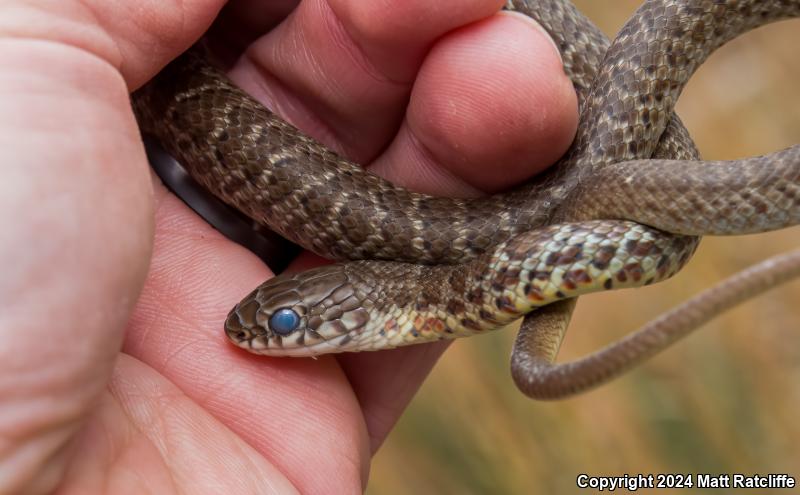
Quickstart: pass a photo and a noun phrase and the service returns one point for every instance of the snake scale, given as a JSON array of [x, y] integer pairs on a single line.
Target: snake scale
[[624, 207]]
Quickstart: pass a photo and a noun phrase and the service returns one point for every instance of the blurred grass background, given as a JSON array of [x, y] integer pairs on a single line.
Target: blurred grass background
[[724, 400]]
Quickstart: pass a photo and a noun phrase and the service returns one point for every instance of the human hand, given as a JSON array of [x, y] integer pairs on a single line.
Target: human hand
[[436, 96]]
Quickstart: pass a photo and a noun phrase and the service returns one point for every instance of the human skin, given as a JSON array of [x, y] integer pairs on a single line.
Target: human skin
[[115, 376]]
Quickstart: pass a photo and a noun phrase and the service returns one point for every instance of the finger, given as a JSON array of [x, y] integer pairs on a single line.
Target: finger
[[386, 381], [491, 107], [295, 412], [76, 211], [343, 74]]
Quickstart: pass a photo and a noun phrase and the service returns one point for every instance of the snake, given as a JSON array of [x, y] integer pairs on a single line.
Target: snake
[[625, 207]]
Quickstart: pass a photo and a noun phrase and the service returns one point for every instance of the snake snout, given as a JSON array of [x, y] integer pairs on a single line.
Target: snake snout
[[304, 314]]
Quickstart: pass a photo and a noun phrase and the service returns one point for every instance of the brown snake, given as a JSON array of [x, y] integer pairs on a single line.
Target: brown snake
[[622, 208]]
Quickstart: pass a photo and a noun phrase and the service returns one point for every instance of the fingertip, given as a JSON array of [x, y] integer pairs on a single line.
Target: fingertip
[[491, 107]]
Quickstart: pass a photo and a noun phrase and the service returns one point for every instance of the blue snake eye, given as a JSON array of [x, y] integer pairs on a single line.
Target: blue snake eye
[[284, 321]]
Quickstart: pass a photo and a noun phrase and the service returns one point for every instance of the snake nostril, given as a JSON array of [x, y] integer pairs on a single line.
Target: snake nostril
[[233, 328], [284, 321]]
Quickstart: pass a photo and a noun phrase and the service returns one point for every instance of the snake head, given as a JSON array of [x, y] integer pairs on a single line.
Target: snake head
[[306, 314]]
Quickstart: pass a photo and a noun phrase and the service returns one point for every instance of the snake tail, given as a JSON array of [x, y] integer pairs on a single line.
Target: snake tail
[[536, 347]]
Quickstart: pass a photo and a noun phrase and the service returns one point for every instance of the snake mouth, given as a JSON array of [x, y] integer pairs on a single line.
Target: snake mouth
[[301, 343], [260, 345]]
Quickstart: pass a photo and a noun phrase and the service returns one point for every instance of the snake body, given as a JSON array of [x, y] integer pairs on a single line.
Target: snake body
[[623, 208]]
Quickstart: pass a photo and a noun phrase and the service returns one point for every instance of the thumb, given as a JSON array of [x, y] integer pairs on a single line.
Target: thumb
[[76, 211]]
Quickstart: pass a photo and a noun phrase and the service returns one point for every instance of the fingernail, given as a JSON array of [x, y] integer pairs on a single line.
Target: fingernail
[[531, 22]]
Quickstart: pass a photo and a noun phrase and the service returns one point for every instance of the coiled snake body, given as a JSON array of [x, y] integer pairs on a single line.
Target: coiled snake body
[[622, 208]]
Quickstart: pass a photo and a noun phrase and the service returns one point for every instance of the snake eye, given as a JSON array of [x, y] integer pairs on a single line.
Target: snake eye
[[284, 321]]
